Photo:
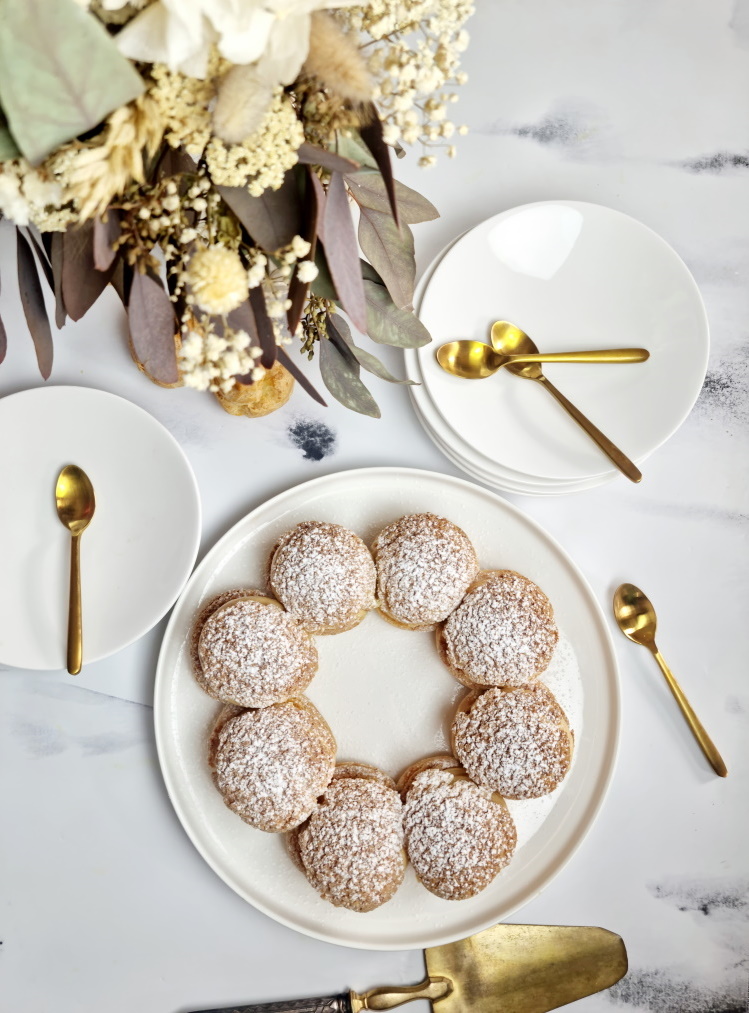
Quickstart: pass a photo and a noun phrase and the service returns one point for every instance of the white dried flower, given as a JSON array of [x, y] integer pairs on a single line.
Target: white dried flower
[[13, 204], [300, 247], [306, 271], [274, 36], [217, 279]]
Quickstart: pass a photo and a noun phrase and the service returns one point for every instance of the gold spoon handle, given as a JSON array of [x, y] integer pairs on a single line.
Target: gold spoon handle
[[602, 355], [75, 622], [706, 743], [610, 449]]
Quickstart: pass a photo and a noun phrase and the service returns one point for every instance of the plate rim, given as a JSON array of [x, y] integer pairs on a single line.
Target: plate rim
[[197, 534], [161, 709], [607, 474]]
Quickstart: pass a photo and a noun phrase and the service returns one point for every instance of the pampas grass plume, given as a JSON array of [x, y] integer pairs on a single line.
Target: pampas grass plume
[[335, 60]]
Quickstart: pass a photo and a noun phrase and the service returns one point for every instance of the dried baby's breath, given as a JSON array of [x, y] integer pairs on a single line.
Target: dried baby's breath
[[414, 54], [262, 160]]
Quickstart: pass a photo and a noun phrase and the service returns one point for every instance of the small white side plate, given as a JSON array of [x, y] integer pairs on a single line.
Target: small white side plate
[[573, 275], [138, 550]]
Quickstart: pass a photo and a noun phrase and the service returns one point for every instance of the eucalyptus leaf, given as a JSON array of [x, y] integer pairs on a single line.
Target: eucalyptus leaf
[[369, 189], [371, 134], [174, 162], [266, 337], [41, 256], [311, 155], [342, 251], [273, 218], [340, 374], [54, 246], [3, 340], [390, 250], [288, 364], [387, 324], [241, 319], [82, 284], [314, 207], [32, 300], [152, 328], [354, 148], [365, 359], [368, 273], [122, 279], [8, 147], [106, 234], [323, 285], [61, 73], [3, 337]]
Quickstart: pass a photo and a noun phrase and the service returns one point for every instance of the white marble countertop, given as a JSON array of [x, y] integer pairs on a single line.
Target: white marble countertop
[[638, 104]]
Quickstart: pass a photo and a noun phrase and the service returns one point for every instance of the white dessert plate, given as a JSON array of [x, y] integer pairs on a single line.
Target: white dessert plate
[[389, 700], [577, 275], [138, 550], [492, 479], [457, 450]]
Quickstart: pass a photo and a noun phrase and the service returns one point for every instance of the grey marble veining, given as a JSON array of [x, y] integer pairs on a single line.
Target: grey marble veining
[[638, 104]]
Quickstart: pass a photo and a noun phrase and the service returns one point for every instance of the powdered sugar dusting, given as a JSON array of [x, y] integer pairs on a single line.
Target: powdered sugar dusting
[[352, 845], [424, 567], [324, 575], [253, 654], [502, 634], [213, 605], [272, 764], [457, 836], [515, 741]]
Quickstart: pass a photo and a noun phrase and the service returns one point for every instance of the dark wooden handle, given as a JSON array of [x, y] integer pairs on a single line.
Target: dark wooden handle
[[321, 1004]]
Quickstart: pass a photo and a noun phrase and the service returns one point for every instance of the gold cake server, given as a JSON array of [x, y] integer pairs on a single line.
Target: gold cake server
[[506, 969]]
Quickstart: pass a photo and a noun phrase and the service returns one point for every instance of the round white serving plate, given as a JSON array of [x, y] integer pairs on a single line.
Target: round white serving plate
[[571, 274], [138, 550], [389, 701]]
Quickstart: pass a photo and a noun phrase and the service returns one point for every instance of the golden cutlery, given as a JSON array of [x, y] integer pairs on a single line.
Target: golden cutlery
[[511, 340], [75, 508], [475, 360], [517, 968], [636, 617]]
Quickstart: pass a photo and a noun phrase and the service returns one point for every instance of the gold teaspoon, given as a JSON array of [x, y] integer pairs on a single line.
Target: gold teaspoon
[[475, 360], [637, 620], [511, 340], [75, 508]]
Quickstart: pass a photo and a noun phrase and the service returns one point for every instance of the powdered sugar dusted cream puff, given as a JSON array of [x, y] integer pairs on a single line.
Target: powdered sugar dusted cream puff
[[351, 847], [324, 575], [251, 653], [272, 764], [458, 835], [515, 741], [502, 633], [425, 565]]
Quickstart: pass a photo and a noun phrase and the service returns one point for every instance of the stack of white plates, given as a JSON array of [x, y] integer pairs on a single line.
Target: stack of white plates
[[574, 276]]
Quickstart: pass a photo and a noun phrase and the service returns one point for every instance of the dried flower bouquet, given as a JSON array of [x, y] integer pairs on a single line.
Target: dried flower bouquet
[[203, 157]]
